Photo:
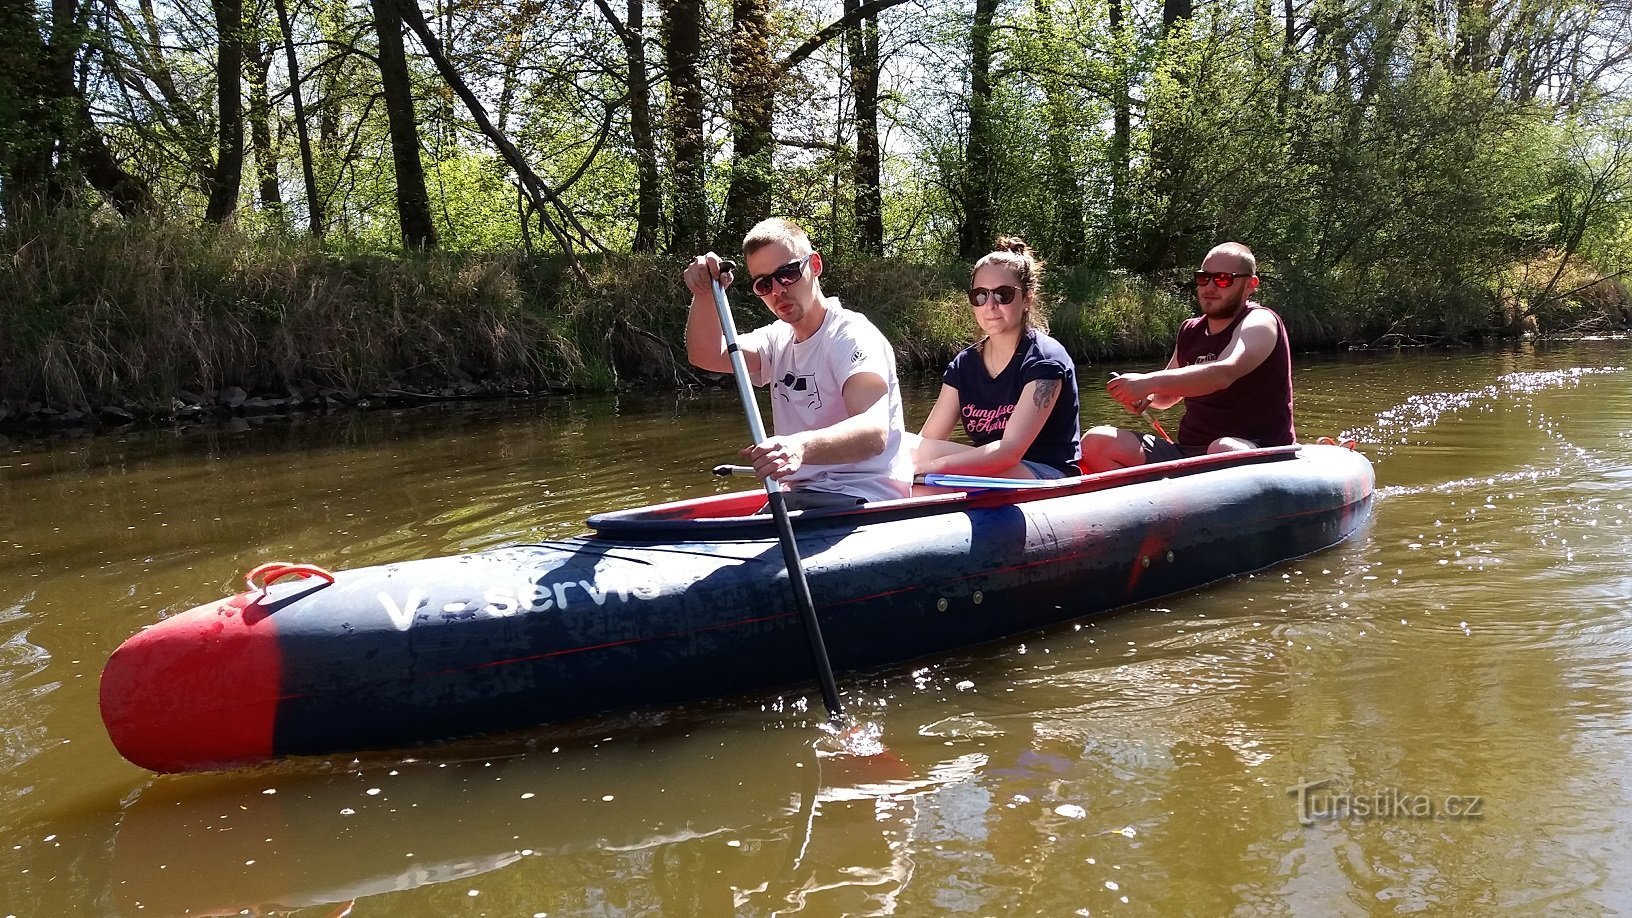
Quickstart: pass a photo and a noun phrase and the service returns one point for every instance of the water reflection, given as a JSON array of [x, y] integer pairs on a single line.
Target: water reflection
[[758, 802]]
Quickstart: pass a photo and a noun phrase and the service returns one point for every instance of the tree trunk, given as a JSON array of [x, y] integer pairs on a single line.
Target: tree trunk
[[648, 191], [85, 147], [754, 79], [226, 178], [682, 45], [1155, 244], [1473, 28], [861, 41], [127, 193], [1121, 123], [1375, 72], [1175, 11], [980, 155], [269, 194], [753, 94], [413, 201], [314, 204], [329, 161], [515, 48]]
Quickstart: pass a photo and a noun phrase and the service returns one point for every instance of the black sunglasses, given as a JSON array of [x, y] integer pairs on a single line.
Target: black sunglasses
[[1004, 295], [1222, 279], [787, 276]]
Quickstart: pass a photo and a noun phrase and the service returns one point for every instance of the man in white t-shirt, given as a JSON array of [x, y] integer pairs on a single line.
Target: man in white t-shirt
[[835, 402]]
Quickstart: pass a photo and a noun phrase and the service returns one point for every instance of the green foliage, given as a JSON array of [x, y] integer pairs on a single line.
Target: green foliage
[[475, 204], [1403, 177]]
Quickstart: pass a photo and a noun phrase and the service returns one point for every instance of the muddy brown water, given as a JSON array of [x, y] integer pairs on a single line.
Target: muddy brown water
[[1433, 716]]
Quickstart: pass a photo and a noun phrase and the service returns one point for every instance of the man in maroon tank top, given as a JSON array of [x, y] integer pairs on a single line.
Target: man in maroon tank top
[[1231, 366]]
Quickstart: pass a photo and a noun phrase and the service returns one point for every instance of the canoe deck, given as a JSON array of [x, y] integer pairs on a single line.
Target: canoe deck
[[703, 517]]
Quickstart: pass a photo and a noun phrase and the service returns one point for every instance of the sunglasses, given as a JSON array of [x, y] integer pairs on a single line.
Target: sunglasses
[[787, 276], [1004, 295], [1222, 279]]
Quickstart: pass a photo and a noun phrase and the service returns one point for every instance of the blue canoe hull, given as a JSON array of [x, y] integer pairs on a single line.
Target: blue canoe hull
[[665, 604]]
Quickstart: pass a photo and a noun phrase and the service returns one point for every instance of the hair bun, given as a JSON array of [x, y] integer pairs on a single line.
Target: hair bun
[[1012, 244]]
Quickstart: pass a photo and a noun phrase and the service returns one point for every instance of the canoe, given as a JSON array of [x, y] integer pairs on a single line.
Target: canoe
[[690, 600]]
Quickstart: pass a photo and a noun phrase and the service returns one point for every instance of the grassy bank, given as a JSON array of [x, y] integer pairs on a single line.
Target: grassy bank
[[95, 315]]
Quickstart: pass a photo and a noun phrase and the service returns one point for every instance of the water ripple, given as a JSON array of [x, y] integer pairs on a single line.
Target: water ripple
[[22, 737], [1427, 408]]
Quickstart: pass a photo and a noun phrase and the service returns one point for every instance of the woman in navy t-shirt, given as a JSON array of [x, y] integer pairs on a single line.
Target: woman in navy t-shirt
[[1014, 391]]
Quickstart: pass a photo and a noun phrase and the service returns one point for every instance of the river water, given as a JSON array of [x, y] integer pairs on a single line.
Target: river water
[[1433, 716]]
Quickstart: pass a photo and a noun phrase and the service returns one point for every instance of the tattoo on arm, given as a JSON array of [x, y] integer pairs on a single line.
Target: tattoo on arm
[[1045, 391]]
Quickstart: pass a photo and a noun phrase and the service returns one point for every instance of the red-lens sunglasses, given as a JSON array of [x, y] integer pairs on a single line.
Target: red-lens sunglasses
[[1220, 279]]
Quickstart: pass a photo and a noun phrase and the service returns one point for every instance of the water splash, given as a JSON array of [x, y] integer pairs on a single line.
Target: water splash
[[852, 736]]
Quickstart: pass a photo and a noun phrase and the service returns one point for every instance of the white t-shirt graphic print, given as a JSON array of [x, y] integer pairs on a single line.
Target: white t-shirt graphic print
[[807, 392]]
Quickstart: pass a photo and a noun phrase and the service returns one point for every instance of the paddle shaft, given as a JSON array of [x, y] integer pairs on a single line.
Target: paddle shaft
[[779, 510], [1156, 424], [1151, 418]]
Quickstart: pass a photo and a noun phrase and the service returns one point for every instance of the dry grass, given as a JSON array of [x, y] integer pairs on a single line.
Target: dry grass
[[920, 309], [106, 314], [115, 313], [1539, 296]]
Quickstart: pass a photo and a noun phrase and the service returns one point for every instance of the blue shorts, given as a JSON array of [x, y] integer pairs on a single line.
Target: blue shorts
[[1045, 472]]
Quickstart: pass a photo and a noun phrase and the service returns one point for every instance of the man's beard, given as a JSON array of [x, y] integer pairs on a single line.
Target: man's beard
[[1225, 312]]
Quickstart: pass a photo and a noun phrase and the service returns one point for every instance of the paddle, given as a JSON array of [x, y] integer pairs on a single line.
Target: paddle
[[779, 507], [1145, 411], [938, 479], [1156, 424], [973, 482]]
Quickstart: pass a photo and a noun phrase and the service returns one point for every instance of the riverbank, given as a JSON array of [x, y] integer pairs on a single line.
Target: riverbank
[[117, 323]]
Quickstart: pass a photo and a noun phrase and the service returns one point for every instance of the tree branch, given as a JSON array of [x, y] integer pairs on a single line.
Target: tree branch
[[832, 31]]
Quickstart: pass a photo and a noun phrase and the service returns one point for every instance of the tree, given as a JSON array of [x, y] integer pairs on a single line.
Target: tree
[[543, 198], [682, 46], [1122, 115], [1064, 237], [258, 66], [49, 144], [861, 40], [32, 122], [753, 92], [980, 156], [413, 201], [226, 178], [648, 192], [314, 203], [755, 80]]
